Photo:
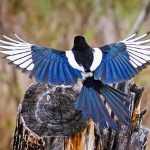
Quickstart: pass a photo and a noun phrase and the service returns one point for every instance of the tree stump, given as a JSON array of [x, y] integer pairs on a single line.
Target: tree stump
[[47, 120]]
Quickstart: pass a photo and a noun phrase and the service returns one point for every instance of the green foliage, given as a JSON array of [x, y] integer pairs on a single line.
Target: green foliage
[[127, 8], [89, 35], [44, 7]]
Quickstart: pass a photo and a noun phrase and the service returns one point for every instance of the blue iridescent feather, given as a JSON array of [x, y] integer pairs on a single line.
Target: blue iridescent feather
[[51, 66]]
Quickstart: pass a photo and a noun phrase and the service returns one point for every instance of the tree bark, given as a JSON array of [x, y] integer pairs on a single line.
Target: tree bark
[[48, 120]]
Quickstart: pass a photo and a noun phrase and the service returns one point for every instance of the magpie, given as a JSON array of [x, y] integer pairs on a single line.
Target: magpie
[[96, 67]]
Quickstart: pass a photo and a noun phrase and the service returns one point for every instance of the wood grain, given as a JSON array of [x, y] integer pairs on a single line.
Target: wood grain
[[47, 119]]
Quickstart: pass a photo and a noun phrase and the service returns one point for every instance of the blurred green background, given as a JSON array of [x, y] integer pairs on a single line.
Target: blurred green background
[[54, 23]]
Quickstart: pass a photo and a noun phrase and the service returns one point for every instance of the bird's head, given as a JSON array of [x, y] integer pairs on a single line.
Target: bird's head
[[80, 43]]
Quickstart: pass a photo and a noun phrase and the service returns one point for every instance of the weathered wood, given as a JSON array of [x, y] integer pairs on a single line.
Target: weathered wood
[[47, 119], [49, 110]]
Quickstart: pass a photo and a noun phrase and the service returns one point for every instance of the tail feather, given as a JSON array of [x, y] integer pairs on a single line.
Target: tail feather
[[103, 111], [81, 100], [97, 110], [116, 101], [85, 106], [91, 104], [117, 108], [93, 108], [122, 96]]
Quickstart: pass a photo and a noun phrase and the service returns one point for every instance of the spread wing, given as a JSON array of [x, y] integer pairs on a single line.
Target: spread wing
[[123, 60], [46, 65]]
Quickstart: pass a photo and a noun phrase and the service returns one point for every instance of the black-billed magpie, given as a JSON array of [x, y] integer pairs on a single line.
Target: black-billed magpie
[[98, 67]]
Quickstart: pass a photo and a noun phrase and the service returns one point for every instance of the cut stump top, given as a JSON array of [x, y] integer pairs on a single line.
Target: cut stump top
[[50, 110]]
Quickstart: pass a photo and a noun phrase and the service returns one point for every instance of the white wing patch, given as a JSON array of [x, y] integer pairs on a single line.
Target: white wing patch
[[97, 54], [72, 61], [139, 51], [17, 51]]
